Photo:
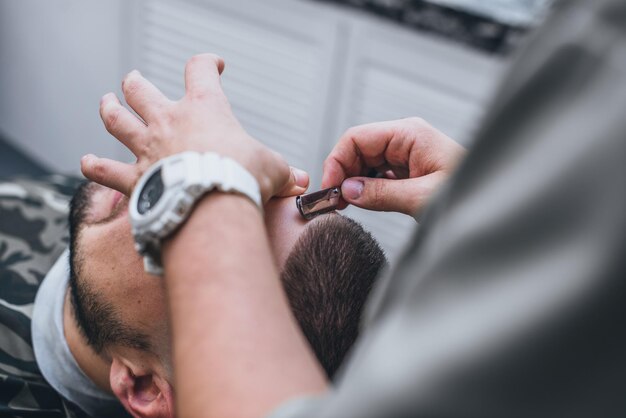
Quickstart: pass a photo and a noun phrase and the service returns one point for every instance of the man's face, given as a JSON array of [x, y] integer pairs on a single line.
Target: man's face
[[111, 267]]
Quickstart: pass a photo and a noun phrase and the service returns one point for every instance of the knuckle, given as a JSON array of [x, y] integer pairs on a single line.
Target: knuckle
[[378, 193], [111, 119], [347, 133], [193, 60], [333, 167], [131, 85], [98, 171], [200, 95], [415, 121], [408, 123], [132, 88], [421, 124], [127, 78], [209, 94], [351, 132], [169, 117]]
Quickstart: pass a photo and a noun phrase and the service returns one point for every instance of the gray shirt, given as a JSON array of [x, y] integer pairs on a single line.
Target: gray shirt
[[54, 358], [511, 298]]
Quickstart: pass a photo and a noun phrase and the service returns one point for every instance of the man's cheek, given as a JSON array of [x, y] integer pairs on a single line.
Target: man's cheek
[[110, 244], [120, 230]]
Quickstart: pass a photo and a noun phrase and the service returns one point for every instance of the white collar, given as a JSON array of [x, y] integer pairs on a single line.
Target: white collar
[[53, 355]]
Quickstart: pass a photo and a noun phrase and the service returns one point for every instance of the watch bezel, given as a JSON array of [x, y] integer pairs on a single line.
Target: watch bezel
[[185, 177], [150, 183]]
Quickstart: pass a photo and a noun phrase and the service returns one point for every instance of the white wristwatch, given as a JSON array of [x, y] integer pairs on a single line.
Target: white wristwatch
[[166, 193]]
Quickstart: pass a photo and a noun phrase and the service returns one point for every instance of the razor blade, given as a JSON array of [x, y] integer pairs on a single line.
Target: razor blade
[[313, 204]]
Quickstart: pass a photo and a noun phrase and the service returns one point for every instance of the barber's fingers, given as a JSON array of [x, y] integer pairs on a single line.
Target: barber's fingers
[[407, 196], [109, 173], [202, 75], [121, 123], [411, 147], [143, 97], [365, 146], [297, 185]]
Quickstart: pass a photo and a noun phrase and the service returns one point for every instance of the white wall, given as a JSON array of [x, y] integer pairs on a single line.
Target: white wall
[[58, 58], [298, 73]]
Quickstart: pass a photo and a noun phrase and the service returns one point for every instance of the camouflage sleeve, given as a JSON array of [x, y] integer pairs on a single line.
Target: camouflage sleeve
[[33, 233]]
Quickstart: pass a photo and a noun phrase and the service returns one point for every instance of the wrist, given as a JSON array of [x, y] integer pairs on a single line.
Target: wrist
[[229, 208], [169, 190], [271, 172], [267, 167]]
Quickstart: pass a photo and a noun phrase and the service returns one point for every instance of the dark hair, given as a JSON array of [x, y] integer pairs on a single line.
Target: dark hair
[[96, 318], [327, 278]]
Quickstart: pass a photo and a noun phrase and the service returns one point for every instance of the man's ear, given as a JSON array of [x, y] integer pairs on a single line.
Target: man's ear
[[143, 392]]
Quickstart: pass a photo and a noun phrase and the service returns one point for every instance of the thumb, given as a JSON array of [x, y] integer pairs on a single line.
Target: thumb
[[406, 196], [110, 173], [297, 184]]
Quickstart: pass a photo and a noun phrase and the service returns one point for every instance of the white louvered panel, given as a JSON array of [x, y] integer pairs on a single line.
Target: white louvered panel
[[279, 57], [275, 76], [397, 74], [380, 94], [383, 95]]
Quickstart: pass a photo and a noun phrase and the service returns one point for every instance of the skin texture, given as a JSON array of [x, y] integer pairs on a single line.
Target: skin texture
[[201, 121], [246, 369], [253, 357], [284, 226], [113, 269], [412, 157], [142, 380]]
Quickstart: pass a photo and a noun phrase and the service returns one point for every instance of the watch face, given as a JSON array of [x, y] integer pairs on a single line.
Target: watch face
[[151, 193]]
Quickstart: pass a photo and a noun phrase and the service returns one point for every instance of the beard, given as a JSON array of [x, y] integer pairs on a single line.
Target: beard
[[79, 205], [96, 318], [80, 294]]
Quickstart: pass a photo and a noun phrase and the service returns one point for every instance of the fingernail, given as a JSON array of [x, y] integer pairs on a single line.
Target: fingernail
[[133, 73], [300, 176], [352, 189], [85, 158], [105, 98]]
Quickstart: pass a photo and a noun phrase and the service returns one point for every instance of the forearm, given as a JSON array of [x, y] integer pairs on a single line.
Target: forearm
[[237, 348]]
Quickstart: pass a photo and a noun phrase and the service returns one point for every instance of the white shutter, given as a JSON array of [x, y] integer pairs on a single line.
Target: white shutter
[[276, 75], [298, 73], [395, 74]]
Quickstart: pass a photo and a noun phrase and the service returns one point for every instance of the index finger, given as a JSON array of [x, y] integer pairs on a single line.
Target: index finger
[[297, 184], [358, 149], [110, 173], [202, 74]]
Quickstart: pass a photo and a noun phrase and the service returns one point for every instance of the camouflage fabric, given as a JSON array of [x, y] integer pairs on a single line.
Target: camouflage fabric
[[33, 234]]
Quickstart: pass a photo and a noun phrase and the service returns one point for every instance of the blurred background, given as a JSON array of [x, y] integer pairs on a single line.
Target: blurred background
[[298, 72]]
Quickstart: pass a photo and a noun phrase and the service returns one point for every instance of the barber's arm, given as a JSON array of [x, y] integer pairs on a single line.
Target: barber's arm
[[411, 157], [237, 349]]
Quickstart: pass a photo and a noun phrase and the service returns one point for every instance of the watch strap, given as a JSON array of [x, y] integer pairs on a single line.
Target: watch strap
[[236, 179], [186, 177]]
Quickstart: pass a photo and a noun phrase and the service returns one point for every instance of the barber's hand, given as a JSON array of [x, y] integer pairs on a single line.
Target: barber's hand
[[201, 121], [413, 157]]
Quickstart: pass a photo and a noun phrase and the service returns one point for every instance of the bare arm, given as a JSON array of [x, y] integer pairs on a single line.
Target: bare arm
[[237, 348]]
